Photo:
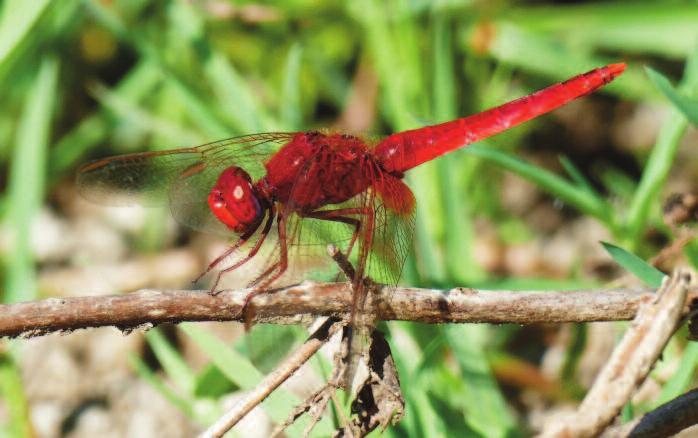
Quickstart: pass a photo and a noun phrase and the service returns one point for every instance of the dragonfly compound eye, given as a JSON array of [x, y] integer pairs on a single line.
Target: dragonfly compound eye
[[234, 202]]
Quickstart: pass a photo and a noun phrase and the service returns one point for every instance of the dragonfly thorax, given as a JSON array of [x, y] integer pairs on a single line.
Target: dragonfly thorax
[[314, 170], [235, 202]]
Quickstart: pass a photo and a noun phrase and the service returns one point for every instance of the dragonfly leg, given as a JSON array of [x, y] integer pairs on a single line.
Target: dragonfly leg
[[333, 216], [241, 241], [268, 277], [366, 244], [364, 227], [248, 257], [340, 215]]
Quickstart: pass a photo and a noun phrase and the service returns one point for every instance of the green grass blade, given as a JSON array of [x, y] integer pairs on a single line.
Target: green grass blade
[[389, 33], [16, 409], [233, 95], [431, 268], [211, 382], [688, 106], [107, 18], [625, 27], [647, 273], [172, 362], [430, 423], [682, 379], [546, 56], [291, 116], [458, 255], [239, 370], [404, 354], [17, 17], [487, 412], [443, 82], [628, 413], [551, 183], [198, 111], [660, 161], [577, 176], [237, 102], [172, 133], [373, 15], [137, 84], [618, 184], [234, 365], [182, 403], [26, 182]]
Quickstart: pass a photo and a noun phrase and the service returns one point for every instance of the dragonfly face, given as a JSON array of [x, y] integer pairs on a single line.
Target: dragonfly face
[[235, 202]]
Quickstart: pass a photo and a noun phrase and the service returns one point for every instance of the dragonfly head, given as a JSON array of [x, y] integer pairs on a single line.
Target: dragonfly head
[[235, 202]]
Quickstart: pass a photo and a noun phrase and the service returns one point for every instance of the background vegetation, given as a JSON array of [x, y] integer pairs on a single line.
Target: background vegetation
[[81, 79]]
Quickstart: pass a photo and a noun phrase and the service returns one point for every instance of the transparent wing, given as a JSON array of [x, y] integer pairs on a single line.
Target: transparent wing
[[382, 251], [394, 208], [181, 178]]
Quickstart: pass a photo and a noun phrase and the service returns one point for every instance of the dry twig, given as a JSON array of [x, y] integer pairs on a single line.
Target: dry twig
[[309, 300], [669, 418], [316, 404], [272, 381], [630, 362]]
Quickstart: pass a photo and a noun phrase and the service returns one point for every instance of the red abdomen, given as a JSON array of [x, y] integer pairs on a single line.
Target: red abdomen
[[405, 150]]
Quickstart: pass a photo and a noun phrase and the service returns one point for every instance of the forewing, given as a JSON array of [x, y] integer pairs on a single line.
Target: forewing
[[181, 178]]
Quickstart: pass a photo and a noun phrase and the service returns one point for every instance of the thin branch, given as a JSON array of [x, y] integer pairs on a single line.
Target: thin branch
[[669, 418], [316, 404], [630, 362], [272, 381], [309, 300]]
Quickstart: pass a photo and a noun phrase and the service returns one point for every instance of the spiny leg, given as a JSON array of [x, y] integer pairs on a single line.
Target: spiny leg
[[250, 254], [361, 327], [241, 241], [365, 245], [268, 277], [366, 227], [340, 215]]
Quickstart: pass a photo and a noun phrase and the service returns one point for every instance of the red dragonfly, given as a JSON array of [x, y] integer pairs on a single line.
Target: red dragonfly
[[294, 193]]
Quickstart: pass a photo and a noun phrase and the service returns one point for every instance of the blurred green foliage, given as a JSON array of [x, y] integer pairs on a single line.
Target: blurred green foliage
[[87, 78]]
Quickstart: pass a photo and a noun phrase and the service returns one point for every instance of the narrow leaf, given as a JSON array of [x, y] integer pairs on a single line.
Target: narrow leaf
[[640, 268], [26, 182], [15, 405], [211, 382], [147, 374], [688, 106], [661, 159], [143, 118], [93, 130], [16, 20], [171, 361], [577, 176], [487, 412], [548, 181], [681, 379], [239, 370], [290, 105]]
